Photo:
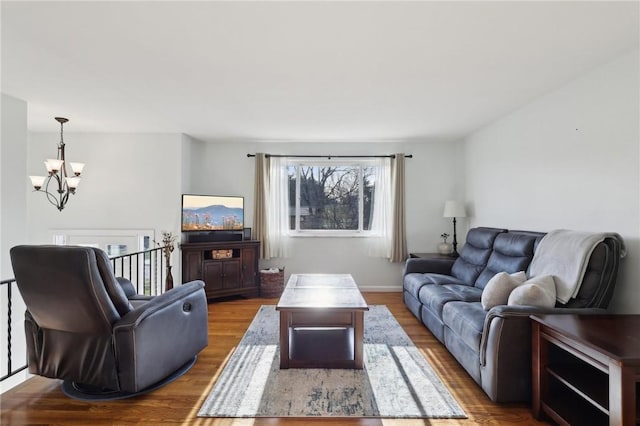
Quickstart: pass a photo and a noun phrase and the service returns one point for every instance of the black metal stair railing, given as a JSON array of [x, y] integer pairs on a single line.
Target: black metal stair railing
[[8, 289], [145, 269]]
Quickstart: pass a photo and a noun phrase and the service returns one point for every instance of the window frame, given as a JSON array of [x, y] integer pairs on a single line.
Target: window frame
[[361, 164]]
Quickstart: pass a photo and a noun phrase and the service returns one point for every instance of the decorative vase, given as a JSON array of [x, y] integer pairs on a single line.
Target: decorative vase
[[168, 282], [445, 248]]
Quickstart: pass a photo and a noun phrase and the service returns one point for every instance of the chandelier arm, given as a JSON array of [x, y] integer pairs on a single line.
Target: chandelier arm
[[63, 200], [55, 200]]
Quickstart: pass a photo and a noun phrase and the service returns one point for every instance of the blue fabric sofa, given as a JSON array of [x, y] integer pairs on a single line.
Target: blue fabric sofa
[[494, 346]]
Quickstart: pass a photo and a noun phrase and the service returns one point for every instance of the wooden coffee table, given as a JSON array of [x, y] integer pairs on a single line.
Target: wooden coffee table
[[321, 322]]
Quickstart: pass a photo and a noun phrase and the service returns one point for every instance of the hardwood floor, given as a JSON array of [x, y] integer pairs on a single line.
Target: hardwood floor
[[40, 401]]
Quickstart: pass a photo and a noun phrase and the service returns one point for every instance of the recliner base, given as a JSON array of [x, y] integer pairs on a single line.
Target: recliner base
[[84, 392]]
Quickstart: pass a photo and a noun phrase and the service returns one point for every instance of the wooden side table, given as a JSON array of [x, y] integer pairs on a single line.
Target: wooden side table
[[586, 368], [431, 256]]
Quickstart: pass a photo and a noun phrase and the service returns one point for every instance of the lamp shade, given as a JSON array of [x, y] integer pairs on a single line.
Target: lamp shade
[[77, 168], [454, 209], [37, 181], [53, 165]]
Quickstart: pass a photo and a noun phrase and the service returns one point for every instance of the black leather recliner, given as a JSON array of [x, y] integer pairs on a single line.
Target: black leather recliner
[[82, 327]]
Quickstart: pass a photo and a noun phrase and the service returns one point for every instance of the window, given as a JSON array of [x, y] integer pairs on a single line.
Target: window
[[331, 197]]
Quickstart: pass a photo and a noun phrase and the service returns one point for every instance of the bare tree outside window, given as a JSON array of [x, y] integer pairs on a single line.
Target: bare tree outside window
[[330, 197]]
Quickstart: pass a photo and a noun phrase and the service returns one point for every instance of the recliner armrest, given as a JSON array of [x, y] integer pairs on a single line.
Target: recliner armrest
[[127, 287], [179, 316], [424, 266]]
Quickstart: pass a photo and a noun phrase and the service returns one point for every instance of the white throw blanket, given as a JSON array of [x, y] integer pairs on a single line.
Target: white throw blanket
[[565, 254]]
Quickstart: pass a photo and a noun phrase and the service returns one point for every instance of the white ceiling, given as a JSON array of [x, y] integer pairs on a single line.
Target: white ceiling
[[310, 71]]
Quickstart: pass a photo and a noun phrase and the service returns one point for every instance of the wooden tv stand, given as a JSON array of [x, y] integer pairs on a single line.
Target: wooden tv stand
[[228, 268]]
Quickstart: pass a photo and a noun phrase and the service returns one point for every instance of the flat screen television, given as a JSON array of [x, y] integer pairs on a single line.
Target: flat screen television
[[203, 213]]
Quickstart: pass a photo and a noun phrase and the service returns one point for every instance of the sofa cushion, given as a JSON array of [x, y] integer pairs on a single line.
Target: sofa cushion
[[465, 293], [475, 254], [537, 291], [512, 252], [434, 297], [414, 282], [499, 288], [465, 320]]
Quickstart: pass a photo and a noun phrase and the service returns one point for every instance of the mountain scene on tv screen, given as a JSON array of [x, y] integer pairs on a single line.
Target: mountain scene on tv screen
[[212, 218]]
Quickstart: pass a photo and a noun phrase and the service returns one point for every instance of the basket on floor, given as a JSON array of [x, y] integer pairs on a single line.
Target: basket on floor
[[271, 282]]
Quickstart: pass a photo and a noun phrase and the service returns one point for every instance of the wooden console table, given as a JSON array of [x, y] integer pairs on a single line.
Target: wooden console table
[[586, 368]]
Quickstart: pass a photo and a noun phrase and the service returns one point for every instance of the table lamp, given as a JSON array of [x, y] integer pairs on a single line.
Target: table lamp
[[454, 209]]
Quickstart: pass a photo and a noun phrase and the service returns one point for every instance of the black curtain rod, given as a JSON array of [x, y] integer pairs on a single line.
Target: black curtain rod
[[331, 156]]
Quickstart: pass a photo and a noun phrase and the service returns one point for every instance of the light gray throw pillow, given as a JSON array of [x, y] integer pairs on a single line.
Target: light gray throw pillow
[[537, 291], [499, 287]]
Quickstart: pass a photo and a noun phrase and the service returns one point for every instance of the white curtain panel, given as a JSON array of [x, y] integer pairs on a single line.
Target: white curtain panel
[[278, 209], [380, 245]]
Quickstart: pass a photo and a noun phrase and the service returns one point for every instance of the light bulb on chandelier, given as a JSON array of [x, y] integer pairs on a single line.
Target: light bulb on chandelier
[[62, 184]]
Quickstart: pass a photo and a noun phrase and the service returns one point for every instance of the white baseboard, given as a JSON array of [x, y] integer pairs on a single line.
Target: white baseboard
[[381, 289]]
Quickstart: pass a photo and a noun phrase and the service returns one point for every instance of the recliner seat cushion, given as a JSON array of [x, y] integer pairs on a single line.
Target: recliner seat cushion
[[414, 282], [465, 320], [435, 297]]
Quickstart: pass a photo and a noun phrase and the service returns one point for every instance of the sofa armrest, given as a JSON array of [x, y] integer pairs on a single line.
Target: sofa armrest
[[505, 350], [515, 313], [157, 338], [424, 265]]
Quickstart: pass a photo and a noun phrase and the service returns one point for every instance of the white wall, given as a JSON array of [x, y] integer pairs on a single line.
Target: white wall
[[569, 159], [433, 175], [130, 181], [14, 182], [13, 228]]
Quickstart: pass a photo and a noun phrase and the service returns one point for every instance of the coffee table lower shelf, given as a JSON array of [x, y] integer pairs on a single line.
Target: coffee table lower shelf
[[320, 341], [321, 347]]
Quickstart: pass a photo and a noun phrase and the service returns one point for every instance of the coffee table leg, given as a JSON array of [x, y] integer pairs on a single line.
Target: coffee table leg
[[358, 340], [284, 339]]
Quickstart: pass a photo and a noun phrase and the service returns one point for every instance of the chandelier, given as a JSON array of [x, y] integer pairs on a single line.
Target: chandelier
[[58, 184]]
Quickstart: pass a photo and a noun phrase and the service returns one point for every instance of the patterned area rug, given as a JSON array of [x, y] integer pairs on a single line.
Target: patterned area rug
[[397, 382]]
